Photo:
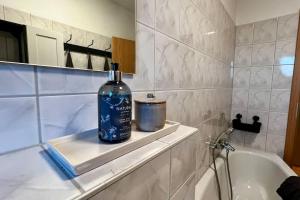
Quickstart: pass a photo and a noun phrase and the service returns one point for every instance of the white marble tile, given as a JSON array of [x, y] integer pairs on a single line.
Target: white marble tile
[[145, 11], [183, 162], [265, 31], [16, 80], [151, 181], [256, 141], [181, 134], [241, 77], [187, 191], [80, 60], [63, 115], [261, 77], [201, 69], [174, 64], [79, 37], [1, 12], [188, 17], [259, 99], [285, 52], [202, 110], [275, 144], [282, 77], [16, 16], [205, 130], [64, 29], [143, 79], [100, 41], [62, 81], [19, 124], [202, 153], [244, 34], [205, 35], [188, 115], [208, 107], [280, 100], [187, 68], [174, 104], [243, 56], [263, 118], [208, 8], [98, 62], [31, 174], [167, 63], [240, 98], [167, 18], [263, 54], [116, 169], [277, 123], [237, 138], [206, 74], [41, 23], [287, 26]]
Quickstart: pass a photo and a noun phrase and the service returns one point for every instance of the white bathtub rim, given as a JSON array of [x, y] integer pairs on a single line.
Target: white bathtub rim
[[203, 183], [272, 157]]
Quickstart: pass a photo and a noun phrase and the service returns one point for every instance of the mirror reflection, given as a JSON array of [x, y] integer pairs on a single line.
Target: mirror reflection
[[82, 34]]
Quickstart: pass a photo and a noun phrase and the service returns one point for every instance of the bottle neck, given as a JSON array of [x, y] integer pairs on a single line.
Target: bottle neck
[[115, 76]]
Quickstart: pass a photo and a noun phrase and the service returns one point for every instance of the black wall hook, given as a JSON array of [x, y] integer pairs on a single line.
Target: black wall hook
[[91, 44], [108, 48], [254, 128], [69, 39]]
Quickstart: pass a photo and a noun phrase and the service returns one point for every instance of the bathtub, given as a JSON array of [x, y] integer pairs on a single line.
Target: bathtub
[[255, 176]]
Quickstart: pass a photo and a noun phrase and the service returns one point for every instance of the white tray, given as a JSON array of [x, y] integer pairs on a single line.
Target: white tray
[[80, 153]]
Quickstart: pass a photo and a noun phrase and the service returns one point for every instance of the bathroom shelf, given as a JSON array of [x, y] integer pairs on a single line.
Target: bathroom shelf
[[80, 153]]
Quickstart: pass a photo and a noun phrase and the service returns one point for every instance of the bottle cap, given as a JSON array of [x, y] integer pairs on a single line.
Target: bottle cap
[[114, 74]]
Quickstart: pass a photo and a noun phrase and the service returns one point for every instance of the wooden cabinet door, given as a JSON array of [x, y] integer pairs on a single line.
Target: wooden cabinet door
[[45, 47], [123, 52]]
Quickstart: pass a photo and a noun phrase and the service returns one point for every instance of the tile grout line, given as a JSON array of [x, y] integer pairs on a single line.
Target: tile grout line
[[134, 91], [38, 104], [274, 63], [154, 67]]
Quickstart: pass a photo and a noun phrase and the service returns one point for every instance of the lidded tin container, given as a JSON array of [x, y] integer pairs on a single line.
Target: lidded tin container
[[150, 113]]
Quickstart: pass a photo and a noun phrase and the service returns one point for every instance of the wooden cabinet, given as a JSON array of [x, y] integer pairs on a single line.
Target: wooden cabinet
[[123, 52], [44, 47]]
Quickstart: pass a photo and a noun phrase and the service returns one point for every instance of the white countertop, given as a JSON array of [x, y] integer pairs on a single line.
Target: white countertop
[[32, 174]]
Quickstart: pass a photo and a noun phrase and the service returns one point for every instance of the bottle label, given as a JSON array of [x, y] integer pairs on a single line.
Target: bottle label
[[114, 117]]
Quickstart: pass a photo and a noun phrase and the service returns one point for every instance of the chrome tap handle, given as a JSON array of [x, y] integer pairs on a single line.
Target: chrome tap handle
[[229, 147]]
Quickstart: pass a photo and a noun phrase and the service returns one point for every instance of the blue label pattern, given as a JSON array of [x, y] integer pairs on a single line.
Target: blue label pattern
[[114, 117]]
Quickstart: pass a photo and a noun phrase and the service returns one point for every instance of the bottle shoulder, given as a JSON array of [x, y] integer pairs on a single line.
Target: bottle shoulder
[[112, 87]]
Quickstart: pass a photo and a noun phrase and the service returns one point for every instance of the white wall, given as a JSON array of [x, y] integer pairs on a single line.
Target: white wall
[[99, 16], [249, 11]]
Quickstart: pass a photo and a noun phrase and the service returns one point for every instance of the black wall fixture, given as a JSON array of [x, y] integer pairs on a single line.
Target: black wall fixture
[[254, 128], [86, 50]]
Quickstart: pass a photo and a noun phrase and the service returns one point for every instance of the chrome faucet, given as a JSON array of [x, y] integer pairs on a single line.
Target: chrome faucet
[[226, 145], [222, 142]]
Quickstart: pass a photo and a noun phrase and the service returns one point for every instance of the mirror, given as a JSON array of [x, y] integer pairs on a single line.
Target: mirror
[[79, 34]]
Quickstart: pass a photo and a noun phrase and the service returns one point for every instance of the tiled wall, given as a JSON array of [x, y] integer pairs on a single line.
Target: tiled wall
[[263, 69], [185, 50], [172, 176]]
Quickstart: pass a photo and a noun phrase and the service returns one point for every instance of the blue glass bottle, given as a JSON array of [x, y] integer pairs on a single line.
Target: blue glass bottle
[[114, 108]]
